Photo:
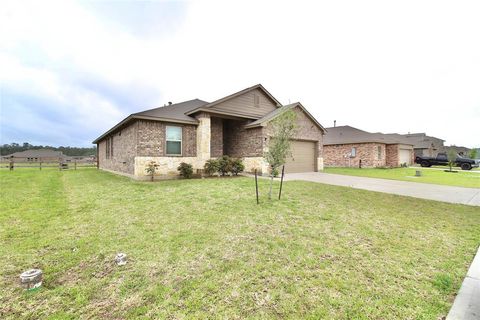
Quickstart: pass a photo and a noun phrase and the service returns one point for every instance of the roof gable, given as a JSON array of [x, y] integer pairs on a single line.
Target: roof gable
[[275, 113], [253, 103]]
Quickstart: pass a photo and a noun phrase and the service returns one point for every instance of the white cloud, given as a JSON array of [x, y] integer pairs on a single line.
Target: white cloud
[[381, 66]]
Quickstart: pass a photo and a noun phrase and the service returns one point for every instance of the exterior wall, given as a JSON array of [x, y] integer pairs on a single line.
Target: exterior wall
[[151, 138], [259, 163], [203, 136], [167, 166], [216, 142], [124, 151], [307, 130], [337, 155], [244, 105], [240, 142], [392, 155]]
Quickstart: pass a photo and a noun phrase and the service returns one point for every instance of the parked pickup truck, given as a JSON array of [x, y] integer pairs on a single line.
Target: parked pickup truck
[[442, 160]]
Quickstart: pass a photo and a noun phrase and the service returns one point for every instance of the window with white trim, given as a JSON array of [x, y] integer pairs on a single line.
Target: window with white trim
[[353, 153], [379, 152], [174, 141]]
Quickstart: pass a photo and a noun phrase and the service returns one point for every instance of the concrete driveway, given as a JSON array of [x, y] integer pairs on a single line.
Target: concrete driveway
[[468, 196]]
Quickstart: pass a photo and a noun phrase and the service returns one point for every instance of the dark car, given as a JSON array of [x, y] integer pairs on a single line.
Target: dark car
[[442, 160]]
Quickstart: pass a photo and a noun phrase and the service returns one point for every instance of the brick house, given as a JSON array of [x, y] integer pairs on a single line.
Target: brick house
[[424, 145], [346, 146], [195, 131]]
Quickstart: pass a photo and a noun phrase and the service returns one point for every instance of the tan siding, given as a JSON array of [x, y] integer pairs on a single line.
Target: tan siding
[[244, 105]]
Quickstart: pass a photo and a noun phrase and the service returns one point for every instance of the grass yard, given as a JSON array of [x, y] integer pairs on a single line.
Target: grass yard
[[459, 179], [203, 249]]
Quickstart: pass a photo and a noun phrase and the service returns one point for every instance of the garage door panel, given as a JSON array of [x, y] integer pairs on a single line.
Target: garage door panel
[[303, 157], [405, 156]]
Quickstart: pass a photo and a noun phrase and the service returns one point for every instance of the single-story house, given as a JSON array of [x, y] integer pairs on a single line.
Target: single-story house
[[346, 146], [195, 131], [424, 145], [36, 155]]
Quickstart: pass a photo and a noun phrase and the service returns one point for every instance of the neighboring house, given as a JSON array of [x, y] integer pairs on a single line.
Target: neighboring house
[[461, 151], [346, 146], [424, 145], [36, 155], [195, 131]]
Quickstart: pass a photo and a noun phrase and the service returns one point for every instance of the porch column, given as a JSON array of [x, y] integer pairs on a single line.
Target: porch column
[[203, 137]]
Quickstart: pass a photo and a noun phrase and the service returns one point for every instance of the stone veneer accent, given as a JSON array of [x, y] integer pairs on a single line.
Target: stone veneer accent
[[336, 155], [203, 136]]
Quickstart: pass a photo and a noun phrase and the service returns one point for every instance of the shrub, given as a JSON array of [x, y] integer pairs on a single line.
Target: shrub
[[186, 170], [224, 165], [237, 166], [151, 167], [275, 172], [211, 167]]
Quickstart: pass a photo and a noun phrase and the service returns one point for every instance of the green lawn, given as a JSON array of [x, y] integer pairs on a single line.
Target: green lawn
[[204, 249], [459, 178]]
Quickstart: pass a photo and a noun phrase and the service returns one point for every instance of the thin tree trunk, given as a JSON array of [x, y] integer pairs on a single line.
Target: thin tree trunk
[[271, 184]]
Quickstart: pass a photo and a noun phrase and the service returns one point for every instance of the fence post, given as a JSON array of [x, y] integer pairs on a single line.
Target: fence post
[[75, 163], [256, 185], [40, 165], [11, 165], [281, 183]]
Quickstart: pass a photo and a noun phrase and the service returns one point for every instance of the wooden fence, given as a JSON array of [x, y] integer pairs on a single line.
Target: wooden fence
[[60, 164]]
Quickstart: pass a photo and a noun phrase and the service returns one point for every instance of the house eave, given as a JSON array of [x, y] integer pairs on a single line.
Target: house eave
[[136, 117]]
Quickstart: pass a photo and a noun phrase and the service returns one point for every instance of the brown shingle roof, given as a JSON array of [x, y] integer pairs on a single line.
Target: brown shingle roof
[[171, 113], [348, 134]]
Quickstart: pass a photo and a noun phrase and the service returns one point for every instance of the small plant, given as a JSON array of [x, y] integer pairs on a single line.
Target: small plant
[[211, 167], [151, 168], [186, 170], [237, 166], [224, 165], [452, 157]]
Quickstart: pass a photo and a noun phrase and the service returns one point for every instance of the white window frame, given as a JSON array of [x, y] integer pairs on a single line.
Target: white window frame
[[379, 152], [353, 152], [181, 142]]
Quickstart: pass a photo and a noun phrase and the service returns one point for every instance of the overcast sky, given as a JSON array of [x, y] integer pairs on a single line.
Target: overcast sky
[[71, 70]]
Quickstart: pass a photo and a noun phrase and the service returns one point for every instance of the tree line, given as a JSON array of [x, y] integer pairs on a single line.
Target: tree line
[[13, 147]]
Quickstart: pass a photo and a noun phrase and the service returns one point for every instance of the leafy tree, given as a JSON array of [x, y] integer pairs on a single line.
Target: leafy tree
[[452, 157], [68, 151], [282, 130], [473, 153]]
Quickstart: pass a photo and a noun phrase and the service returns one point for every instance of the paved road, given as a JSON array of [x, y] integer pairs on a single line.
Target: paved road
[[468, 196]]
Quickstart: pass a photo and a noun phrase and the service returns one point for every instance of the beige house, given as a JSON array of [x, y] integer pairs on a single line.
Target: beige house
[[346, 146], [195, 131]]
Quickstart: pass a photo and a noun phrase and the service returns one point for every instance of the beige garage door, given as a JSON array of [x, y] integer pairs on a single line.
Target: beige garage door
[[303, 157], [405, 156]]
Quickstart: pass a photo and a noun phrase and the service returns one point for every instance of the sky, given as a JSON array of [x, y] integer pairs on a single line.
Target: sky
[[70, 70]]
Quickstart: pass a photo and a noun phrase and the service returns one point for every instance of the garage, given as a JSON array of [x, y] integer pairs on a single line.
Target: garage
[[303, 157], [405, 156]]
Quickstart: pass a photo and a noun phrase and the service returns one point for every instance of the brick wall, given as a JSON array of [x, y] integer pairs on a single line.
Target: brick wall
[[124, 150], [216, 142], [241, 142], [392, 155], [151, 139], [334, 155], [306, 130]]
